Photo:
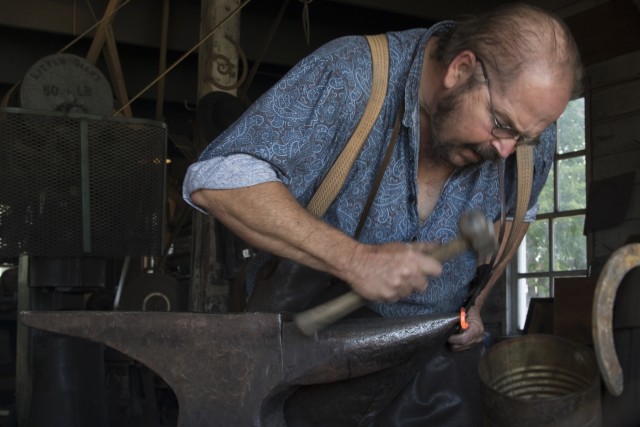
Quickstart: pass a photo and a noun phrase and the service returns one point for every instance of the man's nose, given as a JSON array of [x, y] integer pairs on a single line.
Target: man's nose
[[504, 147]]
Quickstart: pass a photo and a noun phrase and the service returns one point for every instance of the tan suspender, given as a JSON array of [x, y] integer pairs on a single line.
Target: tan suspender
[[333, 182]]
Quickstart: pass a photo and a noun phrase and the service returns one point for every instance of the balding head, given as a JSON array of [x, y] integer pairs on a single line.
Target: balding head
[[517, 39]]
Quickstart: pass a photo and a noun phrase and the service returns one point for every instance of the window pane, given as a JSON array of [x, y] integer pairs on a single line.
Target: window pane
[[569, 244], [572, 188], [546, 196], [532, 287], [571, 133], [537, 247]]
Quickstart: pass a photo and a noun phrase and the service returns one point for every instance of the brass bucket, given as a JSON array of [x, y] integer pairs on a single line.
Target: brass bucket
[[540, 380]]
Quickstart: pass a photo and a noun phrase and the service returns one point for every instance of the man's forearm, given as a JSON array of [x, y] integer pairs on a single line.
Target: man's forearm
[[269, 218]]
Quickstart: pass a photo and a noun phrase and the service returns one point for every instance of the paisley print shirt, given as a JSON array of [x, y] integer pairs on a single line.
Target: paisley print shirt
[[299, 127]]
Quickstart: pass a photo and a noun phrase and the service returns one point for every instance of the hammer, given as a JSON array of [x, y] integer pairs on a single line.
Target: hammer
[[475, 233]]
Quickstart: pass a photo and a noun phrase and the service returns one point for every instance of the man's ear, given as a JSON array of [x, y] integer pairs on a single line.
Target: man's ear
[[460, 68]]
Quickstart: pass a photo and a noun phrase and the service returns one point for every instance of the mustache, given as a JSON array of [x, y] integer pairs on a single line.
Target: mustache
[[485, 152]]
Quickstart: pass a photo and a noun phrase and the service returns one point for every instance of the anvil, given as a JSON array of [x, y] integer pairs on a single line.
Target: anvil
[[238, 369]]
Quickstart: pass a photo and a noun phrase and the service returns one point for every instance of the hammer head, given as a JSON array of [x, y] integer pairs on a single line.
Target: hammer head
[[478, 232]]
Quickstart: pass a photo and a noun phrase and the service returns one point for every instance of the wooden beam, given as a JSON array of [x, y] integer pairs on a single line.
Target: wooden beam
[[162, 63], [115, 70], [101, 32]]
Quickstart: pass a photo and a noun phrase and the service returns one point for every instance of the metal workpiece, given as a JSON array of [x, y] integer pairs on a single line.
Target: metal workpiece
[[617, 266], [238, 369]]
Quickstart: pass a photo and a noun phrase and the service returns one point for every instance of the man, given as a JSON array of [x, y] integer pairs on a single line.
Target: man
[[471, 92]]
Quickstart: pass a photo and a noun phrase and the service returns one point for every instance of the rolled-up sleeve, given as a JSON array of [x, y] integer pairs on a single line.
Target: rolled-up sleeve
[[223, 173]]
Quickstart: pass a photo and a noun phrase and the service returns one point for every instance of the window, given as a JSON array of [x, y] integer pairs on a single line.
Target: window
[[555, 245]]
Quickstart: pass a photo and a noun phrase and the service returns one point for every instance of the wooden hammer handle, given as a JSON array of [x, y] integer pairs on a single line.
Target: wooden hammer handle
[[325, 314]]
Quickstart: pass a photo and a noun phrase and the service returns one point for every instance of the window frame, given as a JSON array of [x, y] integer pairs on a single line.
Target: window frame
[[512, 275]]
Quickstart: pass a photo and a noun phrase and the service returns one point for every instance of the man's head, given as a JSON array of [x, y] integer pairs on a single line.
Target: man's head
[[507, 75]]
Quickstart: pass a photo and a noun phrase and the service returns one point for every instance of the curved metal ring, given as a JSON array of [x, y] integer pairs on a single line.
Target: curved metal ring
[[617, 266], [226, 66]]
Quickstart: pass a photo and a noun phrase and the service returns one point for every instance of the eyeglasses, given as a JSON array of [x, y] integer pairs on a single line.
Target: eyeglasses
[[499, 130]]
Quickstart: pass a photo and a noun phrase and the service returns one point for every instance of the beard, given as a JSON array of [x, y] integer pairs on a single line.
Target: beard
[[446, 114]]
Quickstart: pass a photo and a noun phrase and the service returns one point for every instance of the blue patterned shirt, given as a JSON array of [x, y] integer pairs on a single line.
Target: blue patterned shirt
[[300, 126]]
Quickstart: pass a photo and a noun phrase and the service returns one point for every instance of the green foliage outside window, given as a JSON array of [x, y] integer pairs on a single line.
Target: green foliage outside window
[[571, 134]]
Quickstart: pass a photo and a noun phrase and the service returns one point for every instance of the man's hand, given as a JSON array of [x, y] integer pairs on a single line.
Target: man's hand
[[472, 336], [392, 271]]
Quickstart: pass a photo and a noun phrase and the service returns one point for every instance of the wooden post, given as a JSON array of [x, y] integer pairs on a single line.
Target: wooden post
[[162, 65], [106, 40], [217, 69], [115, 70], [218, 57], [24, 375]]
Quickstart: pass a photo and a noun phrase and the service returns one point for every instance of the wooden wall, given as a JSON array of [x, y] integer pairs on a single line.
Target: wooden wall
[[613, 114], [613, 120]]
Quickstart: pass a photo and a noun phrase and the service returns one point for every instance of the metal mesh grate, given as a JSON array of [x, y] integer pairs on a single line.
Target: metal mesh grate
[[74, 185]]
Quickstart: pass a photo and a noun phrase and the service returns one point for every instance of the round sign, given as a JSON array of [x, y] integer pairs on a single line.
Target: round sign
[[66, 83]]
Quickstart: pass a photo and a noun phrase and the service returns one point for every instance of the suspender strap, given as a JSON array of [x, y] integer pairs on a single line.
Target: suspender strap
[[333, 182], [524, 160]]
